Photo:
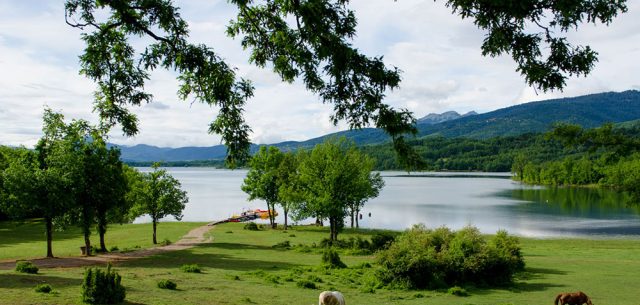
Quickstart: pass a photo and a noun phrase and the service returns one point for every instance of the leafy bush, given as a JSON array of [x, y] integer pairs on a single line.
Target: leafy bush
[[102, 287], [331, 259], [192, 268], [282, 245], [306, 284], [251, 226], [167, 284], [423, 258], [458, 291], [381, 241], [26, 267], [314, 278], [44, 288]]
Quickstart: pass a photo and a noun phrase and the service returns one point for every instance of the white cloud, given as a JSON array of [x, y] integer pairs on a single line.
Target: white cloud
[[438, 53]]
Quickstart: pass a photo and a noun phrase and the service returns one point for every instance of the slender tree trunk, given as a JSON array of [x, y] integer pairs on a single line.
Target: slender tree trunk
[[87, 242], [155, 223], [357, 217], [352, 211], [286, 211], [49, 228], [102, 231], [271, 216], [333, 224]]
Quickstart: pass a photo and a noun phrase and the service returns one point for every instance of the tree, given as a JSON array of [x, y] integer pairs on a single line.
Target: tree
[[289, 189], [332, 179], [159, 195], [310, 41], [262, 179], [366, 186], [34, 183], [109, 188], [95, 173]]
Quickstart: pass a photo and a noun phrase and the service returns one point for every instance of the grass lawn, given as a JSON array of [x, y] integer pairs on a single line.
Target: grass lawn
[[242, 267], [27, 239]]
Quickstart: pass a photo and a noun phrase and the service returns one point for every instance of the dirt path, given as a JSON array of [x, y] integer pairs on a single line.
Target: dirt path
[[192, 239]]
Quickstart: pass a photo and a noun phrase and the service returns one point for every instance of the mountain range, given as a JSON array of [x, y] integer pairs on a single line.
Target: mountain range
[[588, 111]]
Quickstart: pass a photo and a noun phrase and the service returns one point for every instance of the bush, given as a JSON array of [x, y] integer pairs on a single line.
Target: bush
[[26, 267], [102, 287], [193, 268], [251, 226], [458, 291], [282, 245], [381, 241], [423, 258], [331, 259], [306, 284], [44, 288], [167, 284]]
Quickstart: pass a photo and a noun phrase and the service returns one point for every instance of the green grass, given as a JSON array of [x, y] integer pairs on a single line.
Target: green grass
[[242, 267], [26, 239]]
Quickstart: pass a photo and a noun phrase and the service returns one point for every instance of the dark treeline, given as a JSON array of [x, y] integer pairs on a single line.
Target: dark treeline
[[190, 163], [461, 154], [565, 155], [608, 157]]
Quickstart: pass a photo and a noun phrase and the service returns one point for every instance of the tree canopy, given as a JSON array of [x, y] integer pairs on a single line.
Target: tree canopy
[[157, 194], [310, 41], [334, 177], [262, 179]]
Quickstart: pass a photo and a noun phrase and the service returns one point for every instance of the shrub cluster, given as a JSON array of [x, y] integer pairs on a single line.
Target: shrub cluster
[[167, 284], [358, 244], [331, 259], [251, 226], [192, 268], [423, 258], [43, 288], [102, 287], [26, 267]]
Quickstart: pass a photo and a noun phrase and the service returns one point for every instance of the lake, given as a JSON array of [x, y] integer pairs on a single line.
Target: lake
[[489, 201]]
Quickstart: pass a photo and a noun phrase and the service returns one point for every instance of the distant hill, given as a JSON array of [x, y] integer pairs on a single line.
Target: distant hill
[[435, 118], [589, 111]]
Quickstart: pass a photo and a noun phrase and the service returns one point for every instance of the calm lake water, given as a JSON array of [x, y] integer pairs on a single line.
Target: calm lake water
[[488, 201]]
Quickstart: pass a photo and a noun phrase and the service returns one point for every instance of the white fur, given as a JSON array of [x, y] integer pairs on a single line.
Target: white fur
[[331, 298]]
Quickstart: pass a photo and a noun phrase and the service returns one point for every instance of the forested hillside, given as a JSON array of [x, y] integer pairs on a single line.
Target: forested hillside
[[509, 124]]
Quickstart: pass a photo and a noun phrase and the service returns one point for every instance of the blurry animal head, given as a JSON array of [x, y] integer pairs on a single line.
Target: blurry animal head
[[331, 298]]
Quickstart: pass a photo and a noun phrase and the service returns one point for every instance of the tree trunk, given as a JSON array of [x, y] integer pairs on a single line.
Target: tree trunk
[[352, 211], [286, 211], [49, 228], [102, 230], [333, 228], [357, 217], [271, 216], [103, 247], [155, 223], [87, 242]]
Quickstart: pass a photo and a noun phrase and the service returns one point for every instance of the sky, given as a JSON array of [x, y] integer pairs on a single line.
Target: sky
[[438, 53]]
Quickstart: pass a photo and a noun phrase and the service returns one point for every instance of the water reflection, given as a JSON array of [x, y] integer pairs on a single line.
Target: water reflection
[[488, 201], [567, 211]]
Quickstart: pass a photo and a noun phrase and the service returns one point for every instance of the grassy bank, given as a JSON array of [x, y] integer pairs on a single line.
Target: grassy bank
[[26, 239], [243, 267]]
